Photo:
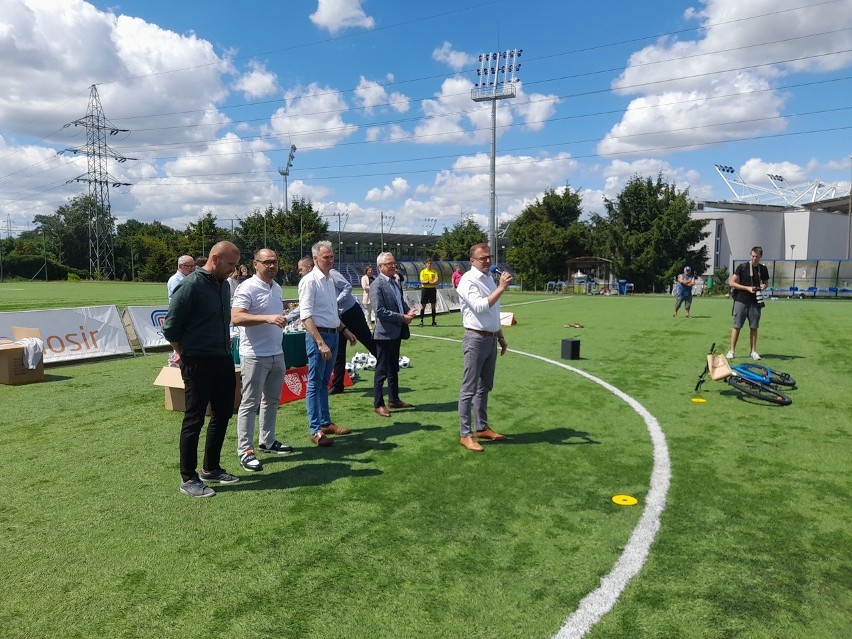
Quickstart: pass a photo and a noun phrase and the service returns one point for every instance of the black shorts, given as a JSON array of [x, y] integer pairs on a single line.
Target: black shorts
[[428, 295]]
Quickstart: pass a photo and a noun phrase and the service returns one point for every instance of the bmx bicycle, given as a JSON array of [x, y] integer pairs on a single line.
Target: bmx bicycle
[[755, 380]]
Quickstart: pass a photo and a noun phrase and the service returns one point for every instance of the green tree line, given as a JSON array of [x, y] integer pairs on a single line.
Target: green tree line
[[646, 231]]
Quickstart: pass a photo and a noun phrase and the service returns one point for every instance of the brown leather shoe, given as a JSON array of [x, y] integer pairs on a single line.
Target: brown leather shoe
[[399, 405], [381, 411], [468, 443], [334, 429], [490, 434], [321, 440]]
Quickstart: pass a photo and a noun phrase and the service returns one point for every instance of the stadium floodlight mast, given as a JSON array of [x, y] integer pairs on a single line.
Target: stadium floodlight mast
[[496, 82], [285, 173]]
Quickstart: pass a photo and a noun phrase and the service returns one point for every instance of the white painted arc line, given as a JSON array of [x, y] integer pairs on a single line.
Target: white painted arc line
[[600, 601]]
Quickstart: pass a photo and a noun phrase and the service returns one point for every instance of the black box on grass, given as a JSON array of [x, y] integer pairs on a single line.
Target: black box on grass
[[570, 349]]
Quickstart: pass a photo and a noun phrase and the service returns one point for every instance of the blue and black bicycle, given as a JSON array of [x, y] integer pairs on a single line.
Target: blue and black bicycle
[[754, 380]]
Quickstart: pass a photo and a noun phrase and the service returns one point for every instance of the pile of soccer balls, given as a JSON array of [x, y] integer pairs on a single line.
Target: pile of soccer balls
[[367, 362]]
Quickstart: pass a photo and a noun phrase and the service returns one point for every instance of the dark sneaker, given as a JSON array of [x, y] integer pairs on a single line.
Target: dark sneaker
[[250, 462], [276, 448], [421, 324], [434, 323], [196, 488], [218, 476]]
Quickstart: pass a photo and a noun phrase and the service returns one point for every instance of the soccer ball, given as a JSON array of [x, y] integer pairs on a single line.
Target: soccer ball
[[360, 358], [370, 363], [404, 362]]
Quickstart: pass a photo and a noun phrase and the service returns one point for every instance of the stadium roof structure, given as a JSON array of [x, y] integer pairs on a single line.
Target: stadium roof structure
[[780, 192], [833, 205]]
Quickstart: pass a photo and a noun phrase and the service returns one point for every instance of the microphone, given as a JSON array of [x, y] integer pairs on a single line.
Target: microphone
[[495, 269]]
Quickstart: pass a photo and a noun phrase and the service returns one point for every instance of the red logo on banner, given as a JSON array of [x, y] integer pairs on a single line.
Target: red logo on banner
[[295, 384]]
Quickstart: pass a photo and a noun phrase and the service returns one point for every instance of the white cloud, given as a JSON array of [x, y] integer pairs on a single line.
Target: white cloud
[[257, 83], [309, 191], [467, 184], [619, 172], [371, 94], [456, 60], [535, 109], [337, 15], [450, 114], [397, 188], [312, 117], [56, 49], [689, 86], [204, 179], [755, 171]]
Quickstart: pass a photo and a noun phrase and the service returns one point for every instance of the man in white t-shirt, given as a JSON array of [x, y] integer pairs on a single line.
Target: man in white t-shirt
[[257, 308]]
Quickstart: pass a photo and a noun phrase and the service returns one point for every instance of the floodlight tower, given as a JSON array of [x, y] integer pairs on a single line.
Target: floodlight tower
[[285, 173], [496, 82]]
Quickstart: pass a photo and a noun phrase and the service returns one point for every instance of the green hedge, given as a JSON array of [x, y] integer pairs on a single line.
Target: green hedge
[[32, 266]]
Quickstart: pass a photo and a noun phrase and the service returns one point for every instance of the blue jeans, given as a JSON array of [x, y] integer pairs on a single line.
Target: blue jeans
[[319, 374]]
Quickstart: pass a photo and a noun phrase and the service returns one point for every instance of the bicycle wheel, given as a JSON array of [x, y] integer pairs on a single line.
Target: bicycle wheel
[[766, 375], [758, 391]]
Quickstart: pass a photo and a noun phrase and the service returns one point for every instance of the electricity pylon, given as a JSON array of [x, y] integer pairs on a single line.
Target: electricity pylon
[[101, 222]]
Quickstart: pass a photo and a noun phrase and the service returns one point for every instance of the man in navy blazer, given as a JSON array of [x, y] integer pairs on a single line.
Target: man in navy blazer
[[392, 319]]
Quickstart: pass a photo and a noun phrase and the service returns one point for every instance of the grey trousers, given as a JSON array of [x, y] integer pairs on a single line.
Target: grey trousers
[[480, 360], [262, 380]]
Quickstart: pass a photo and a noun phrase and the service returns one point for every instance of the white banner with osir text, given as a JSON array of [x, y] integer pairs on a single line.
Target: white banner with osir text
[[73, 333]]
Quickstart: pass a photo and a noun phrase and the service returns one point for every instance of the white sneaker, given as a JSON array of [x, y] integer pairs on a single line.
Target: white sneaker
[[755, 356], [250, 462], [729, 355]]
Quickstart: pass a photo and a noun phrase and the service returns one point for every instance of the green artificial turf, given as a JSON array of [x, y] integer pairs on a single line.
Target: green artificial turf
[[397, 531]]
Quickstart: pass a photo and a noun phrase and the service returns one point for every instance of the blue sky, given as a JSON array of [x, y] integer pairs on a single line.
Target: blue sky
[[375, 94]]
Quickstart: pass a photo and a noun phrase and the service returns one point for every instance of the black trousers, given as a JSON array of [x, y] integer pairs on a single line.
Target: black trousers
[[206, 380], [354, 320], [428, 296], [387, 368]]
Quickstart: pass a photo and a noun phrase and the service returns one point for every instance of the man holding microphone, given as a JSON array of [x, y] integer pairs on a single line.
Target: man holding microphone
[[480, 308]]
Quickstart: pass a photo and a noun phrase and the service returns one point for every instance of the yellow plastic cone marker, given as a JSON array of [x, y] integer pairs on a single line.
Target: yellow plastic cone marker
[[699, 400], [625, 500]]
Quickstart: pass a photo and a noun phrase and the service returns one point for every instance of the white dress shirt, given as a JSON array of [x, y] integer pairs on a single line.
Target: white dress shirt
[[474, 288], [318, 299]]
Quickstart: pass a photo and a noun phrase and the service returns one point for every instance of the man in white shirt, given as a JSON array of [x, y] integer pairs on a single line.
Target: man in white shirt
[[185, 266], [318, 312], [257, 308], [480, 308]]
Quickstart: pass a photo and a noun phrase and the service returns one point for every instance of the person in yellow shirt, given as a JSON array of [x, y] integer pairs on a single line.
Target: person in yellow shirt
[[428, 290]]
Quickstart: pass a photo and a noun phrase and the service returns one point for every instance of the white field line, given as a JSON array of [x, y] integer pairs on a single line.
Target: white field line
[[550, 299], [601, 600]]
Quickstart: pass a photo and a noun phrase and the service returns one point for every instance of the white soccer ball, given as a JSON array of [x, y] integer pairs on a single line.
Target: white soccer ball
[[404, 362], [371, 363]]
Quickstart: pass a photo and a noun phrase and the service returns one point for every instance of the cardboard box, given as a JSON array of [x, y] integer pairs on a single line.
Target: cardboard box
[[12, 368], [169, 377]]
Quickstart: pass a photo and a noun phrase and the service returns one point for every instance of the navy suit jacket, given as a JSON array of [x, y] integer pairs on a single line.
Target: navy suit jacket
[[389, 323]]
